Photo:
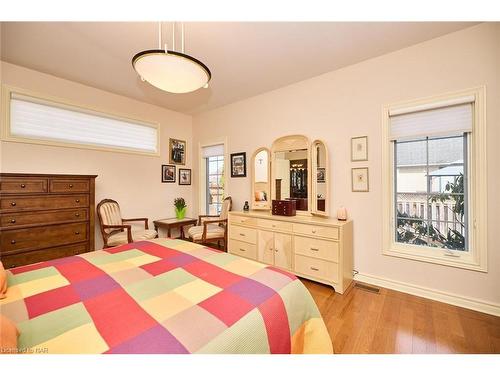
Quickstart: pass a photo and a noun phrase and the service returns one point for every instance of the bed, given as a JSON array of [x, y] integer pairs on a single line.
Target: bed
[[161, 296]]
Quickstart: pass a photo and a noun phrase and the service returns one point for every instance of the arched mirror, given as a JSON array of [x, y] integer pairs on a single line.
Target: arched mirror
[[320, 179], [291, 166], [261, 187]]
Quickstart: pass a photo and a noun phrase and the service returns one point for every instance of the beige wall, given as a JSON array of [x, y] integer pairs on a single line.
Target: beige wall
[[133, 180], [346, 103]]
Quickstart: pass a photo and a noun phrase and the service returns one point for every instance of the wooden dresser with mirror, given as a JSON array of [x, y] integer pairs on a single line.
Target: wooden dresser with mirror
[[310, 244], [45, 216]]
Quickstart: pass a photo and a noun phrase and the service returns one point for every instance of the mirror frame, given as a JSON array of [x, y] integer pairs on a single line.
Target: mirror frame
[[314, 184], [289, 143], [266, 206]]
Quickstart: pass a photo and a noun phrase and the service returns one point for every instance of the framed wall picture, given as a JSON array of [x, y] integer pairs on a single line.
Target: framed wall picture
[[168, 173], [184, 176], [359, 148], [177, 151], [359, 179], [239, 164], [320, 175]]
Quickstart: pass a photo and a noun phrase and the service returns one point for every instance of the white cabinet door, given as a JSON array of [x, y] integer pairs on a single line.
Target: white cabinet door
[[265, 246], [283, 250]]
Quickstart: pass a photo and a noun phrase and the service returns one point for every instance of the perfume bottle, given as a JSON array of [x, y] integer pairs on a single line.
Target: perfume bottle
[[246, 207]]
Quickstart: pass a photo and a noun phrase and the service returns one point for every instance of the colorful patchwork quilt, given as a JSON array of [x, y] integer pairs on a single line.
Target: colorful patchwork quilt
[[162, 296]]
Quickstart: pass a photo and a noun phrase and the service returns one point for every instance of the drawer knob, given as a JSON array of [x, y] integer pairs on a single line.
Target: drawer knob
[[314, 269], [13, 242], [13, 204], [77, 200], [77, 214], [77, 233], [13, 221], [314, 230], [23, 186], [70, 186]]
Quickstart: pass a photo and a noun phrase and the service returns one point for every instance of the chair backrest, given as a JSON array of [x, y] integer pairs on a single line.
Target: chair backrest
[[226, 207], [109, 213]]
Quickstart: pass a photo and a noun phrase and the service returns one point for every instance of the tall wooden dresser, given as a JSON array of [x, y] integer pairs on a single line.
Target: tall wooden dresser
[[45, 216]]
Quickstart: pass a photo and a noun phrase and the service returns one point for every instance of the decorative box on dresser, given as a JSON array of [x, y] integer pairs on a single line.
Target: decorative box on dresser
[[311, 247], [45, 216]]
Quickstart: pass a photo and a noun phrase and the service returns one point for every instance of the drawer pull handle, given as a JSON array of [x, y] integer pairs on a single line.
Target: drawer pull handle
[[77, 200], [13, 221], [314, 269], [242, 249], [13, 204], [77, 233], [23, 186], [242, 234], [70, 186], [314, 249], [77, 214], [13, 242]]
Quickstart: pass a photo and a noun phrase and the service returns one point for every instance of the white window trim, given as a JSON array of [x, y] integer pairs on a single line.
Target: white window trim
[[476, 258], [202, 173], [6, 135]]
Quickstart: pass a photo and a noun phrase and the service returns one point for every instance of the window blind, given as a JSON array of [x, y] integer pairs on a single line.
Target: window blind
[[43, 120], [215, 150], [455, 119]]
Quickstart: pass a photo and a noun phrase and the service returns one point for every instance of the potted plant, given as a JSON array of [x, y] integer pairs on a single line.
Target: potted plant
[[180, 208]]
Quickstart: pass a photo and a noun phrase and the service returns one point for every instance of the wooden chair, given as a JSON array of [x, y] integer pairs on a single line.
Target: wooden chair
[[212, 227], [114, 231]]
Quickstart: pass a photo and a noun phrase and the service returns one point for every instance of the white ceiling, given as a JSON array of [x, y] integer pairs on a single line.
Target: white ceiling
[[246, 59]]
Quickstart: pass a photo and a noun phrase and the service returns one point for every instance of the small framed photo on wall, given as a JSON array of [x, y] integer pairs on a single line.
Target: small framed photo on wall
[[359, 148], [168, 173], [184, 176], [239, 164], [177, 151], [359, 179]]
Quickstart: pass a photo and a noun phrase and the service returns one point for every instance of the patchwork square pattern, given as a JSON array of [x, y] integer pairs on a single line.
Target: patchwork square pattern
[[161, 296]]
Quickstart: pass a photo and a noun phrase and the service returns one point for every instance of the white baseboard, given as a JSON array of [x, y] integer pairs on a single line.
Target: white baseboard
[[436, 295]]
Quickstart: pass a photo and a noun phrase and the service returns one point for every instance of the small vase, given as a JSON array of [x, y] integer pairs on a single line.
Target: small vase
[[180, 213]]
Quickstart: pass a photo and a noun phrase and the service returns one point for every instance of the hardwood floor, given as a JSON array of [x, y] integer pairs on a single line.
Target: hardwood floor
[[364, 322]]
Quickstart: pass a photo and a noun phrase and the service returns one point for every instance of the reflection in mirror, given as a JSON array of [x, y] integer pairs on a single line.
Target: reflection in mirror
[[261, 191], [290, 177], [319, 157]]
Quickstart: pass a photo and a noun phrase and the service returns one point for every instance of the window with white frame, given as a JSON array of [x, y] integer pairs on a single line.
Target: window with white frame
[[37, 120], [213, 160], [434, 210]]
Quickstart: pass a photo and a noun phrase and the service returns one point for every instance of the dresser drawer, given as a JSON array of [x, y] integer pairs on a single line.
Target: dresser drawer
[[68, 186], [243, 249], [33, 218], [18, 240], [243, 234], [243, 220], [43, 203], [317, 268], [328, 250], [19, 185], [30, 257], [274, 224], [316, 230]]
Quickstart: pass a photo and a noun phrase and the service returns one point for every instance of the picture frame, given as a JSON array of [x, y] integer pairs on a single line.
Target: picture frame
[[168, 173], [177, 151], [184, 176], [359, 148], [239, 164], [360, 179], [320, 175]]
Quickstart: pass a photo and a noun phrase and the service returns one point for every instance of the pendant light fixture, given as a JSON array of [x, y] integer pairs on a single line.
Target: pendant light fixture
[[170, 70]]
